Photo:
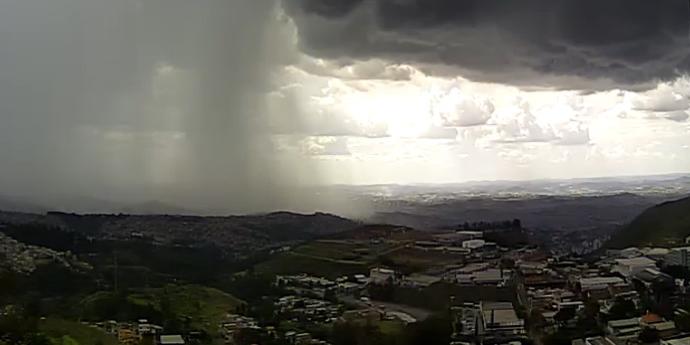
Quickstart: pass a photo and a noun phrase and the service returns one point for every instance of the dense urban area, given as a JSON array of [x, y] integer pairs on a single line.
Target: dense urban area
[[286, 278]]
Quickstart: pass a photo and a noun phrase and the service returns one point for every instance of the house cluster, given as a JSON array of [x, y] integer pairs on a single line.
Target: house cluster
[[469, 244], [320, 287], [624, 297], [304, 309], [479, 273], [488, 322], [23, 258], [233, 325], [133, 333]]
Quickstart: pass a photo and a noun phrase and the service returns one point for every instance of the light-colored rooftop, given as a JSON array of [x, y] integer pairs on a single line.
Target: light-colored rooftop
[[623, 323], [679, 341], [172, 340], [637, 262]]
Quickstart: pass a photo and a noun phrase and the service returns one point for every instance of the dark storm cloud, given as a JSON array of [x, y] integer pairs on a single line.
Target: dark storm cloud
[[561, 43]]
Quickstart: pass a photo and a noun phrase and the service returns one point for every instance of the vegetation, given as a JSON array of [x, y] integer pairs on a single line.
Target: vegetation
[[290, 263], [70, 332], [178, 307], [438, 295], [664, 223]]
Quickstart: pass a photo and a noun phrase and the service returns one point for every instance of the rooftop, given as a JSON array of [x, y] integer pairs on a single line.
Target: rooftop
[[638, 261], [679, 341], [623, 323], [172, 340]]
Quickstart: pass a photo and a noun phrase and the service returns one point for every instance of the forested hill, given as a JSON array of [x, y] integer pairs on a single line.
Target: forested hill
[[665, 223]]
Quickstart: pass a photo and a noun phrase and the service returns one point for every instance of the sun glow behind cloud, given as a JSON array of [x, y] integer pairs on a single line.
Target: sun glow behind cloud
[[473, 130]]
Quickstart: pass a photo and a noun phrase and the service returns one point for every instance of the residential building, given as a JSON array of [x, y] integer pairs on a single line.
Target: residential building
[[473, 244], [685, 340], [381, 275], [678, 257], [499, 320], [631, 266], [173, 339], [625, 328]]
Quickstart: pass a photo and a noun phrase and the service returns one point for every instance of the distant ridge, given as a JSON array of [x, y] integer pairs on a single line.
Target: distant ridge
[[668, 222], [237, 233]]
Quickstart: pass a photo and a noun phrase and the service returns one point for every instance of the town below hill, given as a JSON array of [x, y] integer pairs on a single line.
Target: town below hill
[[285, 278]]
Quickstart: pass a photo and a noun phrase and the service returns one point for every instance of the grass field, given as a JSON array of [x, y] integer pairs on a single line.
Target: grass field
[[65, 331], [289, 263], [205, 306], [335, 258], [411, 260], [338, 251]]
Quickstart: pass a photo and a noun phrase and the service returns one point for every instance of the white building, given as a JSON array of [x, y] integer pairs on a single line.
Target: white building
[[596, 283], [631, 266], [381, 275], [473, 244], [171, 340], [678, 257]]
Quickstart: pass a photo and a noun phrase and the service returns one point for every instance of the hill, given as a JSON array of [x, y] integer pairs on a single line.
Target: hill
[[666, 223], [206, 307], [238, 235], [70, 332]]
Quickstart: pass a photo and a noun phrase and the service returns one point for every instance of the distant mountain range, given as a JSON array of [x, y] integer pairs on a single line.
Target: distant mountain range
[[371, 199], [668, 222]]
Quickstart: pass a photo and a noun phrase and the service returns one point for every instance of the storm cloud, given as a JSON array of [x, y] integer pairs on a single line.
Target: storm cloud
[[142, 100], [566, 44]]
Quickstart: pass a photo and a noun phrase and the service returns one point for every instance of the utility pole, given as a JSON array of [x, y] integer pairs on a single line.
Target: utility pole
[[115, 270]]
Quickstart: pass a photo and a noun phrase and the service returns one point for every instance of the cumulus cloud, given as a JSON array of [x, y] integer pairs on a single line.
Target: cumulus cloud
[[458, 109], [356, 70], [671, 97], [325, 146], [678, 116], [572, 133], [296, 109], [521, 126], [558, 43]]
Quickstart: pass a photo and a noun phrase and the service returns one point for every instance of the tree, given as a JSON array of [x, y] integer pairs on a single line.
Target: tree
[[592, 308], [330, 295], [564, 315], [622, 309], [683, 322], [649, 335], [434, 330], [557, 338], [536, 320]]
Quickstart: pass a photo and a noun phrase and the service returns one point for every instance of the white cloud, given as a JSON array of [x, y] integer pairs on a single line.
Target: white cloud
[[356, 70], [678, 116], [325, 146], [519, 125], [438, 132], [459, 109], [666, 97], [573, 133]]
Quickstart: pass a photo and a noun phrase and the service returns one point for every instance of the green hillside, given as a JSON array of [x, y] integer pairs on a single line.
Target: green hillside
[[205, 307], [663, 224], [70, 332]]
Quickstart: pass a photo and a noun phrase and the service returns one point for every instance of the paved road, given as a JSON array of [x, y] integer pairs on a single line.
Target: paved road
[[417, 313]]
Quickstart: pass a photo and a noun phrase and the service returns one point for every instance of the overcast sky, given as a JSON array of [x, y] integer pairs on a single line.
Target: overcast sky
[[235, 103]]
